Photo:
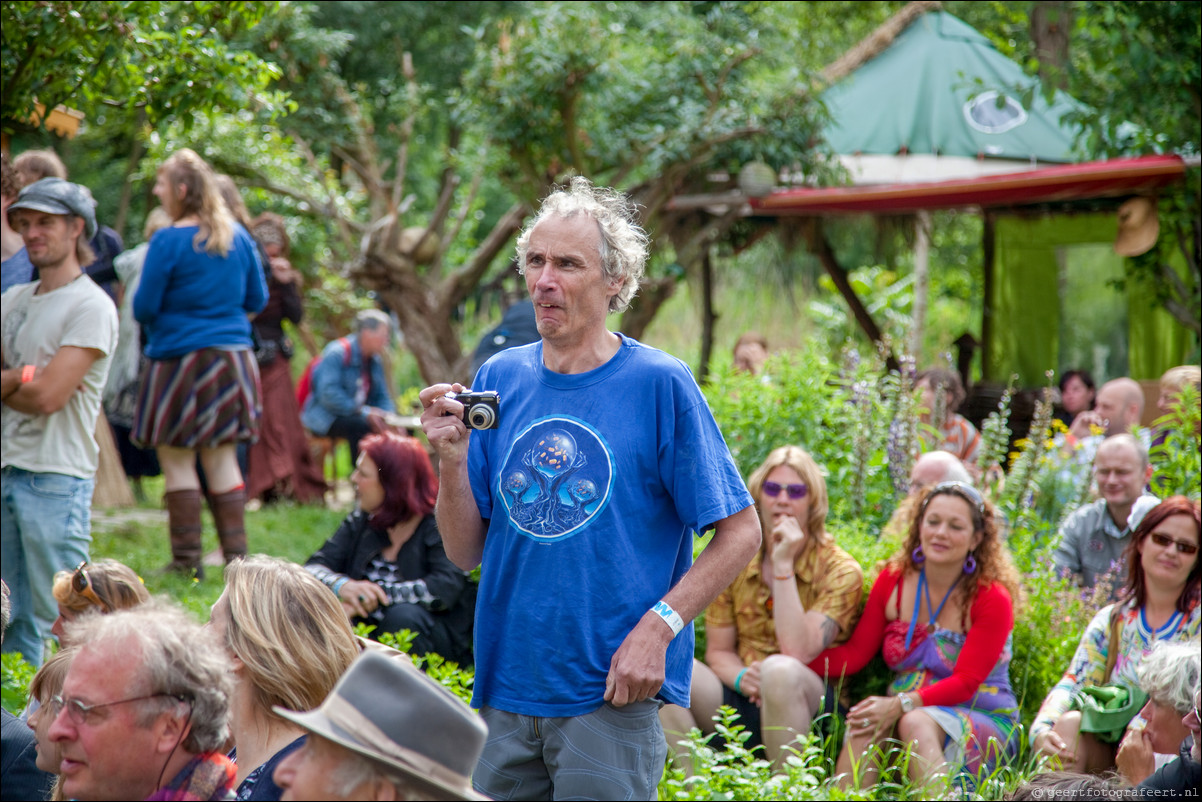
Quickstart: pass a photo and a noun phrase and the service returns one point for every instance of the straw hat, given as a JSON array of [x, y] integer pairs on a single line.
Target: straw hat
[[1138, 227], [392, 713]]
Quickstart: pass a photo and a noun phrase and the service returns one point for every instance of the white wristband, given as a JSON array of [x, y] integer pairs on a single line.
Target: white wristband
[[670, 616]]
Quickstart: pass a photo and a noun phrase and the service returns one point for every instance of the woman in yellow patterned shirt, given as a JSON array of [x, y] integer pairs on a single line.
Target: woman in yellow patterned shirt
[[800, 594]]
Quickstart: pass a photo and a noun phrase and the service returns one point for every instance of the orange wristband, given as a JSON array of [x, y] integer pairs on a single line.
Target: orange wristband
[[27, 373]]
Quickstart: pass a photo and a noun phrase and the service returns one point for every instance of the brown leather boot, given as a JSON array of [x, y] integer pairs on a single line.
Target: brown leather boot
[[228, 509], [183, 518]]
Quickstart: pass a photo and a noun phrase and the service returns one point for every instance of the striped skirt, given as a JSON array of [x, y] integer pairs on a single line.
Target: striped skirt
[[203, 399]]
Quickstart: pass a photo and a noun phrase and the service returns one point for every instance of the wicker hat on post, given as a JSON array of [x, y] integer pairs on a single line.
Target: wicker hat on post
[[1138, 227]]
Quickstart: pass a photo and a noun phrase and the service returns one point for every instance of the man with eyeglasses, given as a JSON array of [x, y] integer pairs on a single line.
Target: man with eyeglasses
[[1092, 540], [144, 709]]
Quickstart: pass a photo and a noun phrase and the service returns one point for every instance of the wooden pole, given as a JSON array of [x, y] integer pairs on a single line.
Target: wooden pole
[[922, 279]]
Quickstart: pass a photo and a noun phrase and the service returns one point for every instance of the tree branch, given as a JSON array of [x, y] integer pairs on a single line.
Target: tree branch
[[458, 284]]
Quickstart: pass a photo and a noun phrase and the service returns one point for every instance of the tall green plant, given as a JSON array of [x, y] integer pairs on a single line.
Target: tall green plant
[[1176, 458], [803, 400]]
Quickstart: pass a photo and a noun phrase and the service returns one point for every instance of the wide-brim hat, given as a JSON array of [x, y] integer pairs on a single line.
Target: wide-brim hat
[[391, 713], [1139, 226], [57, 196]]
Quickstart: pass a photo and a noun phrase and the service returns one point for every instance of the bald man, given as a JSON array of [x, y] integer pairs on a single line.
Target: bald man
[[934, 467], [1093, 538], [1119, 406], [929, 470]]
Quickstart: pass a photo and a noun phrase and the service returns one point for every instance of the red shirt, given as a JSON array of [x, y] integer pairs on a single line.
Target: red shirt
[[992, 613]]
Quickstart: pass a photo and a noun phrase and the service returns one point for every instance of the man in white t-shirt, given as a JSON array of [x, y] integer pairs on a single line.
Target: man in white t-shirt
[[57, 335]]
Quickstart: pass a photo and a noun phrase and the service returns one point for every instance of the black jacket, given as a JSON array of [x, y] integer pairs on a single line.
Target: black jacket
[[20, 778], [356, 543], [1181, 775]]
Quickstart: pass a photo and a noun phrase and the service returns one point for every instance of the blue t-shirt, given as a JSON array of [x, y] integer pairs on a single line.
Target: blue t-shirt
[[189, 299], [16, 269], [593, 487]]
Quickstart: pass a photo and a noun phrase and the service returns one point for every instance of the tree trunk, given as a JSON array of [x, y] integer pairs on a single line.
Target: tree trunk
[[653, 293], [1050, 24]]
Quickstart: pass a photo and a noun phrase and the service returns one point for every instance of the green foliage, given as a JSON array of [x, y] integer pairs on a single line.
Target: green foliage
[[457, 679], [1178, 463], [727, 771], [807, 401], [137, 59], [17, 674], [626, 93]]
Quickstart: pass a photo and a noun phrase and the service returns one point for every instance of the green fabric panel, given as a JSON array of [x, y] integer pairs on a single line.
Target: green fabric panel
[[1026, 317], [913, 95], [1024, 331], [1157, 340]]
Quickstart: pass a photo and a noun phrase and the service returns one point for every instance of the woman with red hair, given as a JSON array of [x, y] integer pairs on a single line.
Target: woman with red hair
[[386, 562], [1160, 603]]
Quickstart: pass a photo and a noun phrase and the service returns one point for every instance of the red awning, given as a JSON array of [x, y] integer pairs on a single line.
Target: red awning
[[1065, 183]]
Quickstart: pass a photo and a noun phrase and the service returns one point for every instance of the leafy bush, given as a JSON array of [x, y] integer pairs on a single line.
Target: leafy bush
[[1177, 460], [458, 679], [17, 674]]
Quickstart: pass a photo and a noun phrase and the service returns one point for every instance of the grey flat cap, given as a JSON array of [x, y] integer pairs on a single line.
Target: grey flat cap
[[56, 196]]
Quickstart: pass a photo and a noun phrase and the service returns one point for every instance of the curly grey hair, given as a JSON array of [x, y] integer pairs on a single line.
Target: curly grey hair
[[624, 244], [1169, 674], [174, 656]]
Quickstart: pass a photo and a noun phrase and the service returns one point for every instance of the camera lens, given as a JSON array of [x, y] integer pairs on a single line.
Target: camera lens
[[481, 416]]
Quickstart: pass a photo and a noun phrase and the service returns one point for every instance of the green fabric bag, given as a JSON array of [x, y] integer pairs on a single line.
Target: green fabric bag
[[1107, 709]]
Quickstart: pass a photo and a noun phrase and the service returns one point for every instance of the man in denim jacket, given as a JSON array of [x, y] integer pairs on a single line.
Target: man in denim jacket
[[349, 394]]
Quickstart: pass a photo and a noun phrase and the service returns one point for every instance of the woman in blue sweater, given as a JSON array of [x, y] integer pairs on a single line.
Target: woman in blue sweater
[[202, 281]]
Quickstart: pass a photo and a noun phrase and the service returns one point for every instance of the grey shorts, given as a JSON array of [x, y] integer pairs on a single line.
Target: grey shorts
[[611, 753]]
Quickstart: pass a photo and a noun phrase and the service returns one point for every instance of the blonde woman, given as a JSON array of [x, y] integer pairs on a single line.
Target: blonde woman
[[104, 586], [796, 597], [201, 280], [46, 685], [290, 642]]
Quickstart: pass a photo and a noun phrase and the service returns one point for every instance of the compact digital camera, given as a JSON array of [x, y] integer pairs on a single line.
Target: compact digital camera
[[481, 410]]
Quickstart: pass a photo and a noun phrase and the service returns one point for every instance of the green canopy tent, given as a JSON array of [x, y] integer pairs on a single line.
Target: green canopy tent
[[927, 103], [941, 88]]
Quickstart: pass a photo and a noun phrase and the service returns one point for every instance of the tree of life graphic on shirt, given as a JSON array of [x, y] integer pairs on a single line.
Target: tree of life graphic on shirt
[[556, 479]]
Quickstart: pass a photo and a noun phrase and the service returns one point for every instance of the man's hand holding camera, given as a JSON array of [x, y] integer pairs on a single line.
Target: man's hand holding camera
[[442, 421]]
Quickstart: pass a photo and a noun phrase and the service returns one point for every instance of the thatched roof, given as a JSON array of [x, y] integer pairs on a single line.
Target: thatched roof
[[872, 44]]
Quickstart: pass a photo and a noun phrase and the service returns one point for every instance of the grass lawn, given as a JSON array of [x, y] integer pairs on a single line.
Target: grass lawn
[[138, 538]]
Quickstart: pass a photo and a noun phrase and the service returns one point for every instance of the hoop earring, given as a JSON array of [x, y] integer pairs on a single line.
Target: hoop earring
[[970, 565], [917, 556]]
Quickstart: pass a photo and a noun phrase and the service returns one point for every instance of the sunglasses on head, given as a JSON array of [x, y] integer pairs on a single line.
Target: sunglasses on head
[[795, 491], [1165, 541], [81, 584], [961, 489]]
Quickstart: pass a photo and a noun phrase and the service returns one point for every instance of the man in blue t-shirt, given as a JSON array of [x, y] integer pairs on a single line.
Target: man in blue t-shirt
[[580, 508]]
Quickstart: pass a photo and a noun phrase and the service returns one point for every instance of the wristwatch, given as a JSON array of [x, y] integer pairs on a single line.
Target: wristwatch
[[907, 704]]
